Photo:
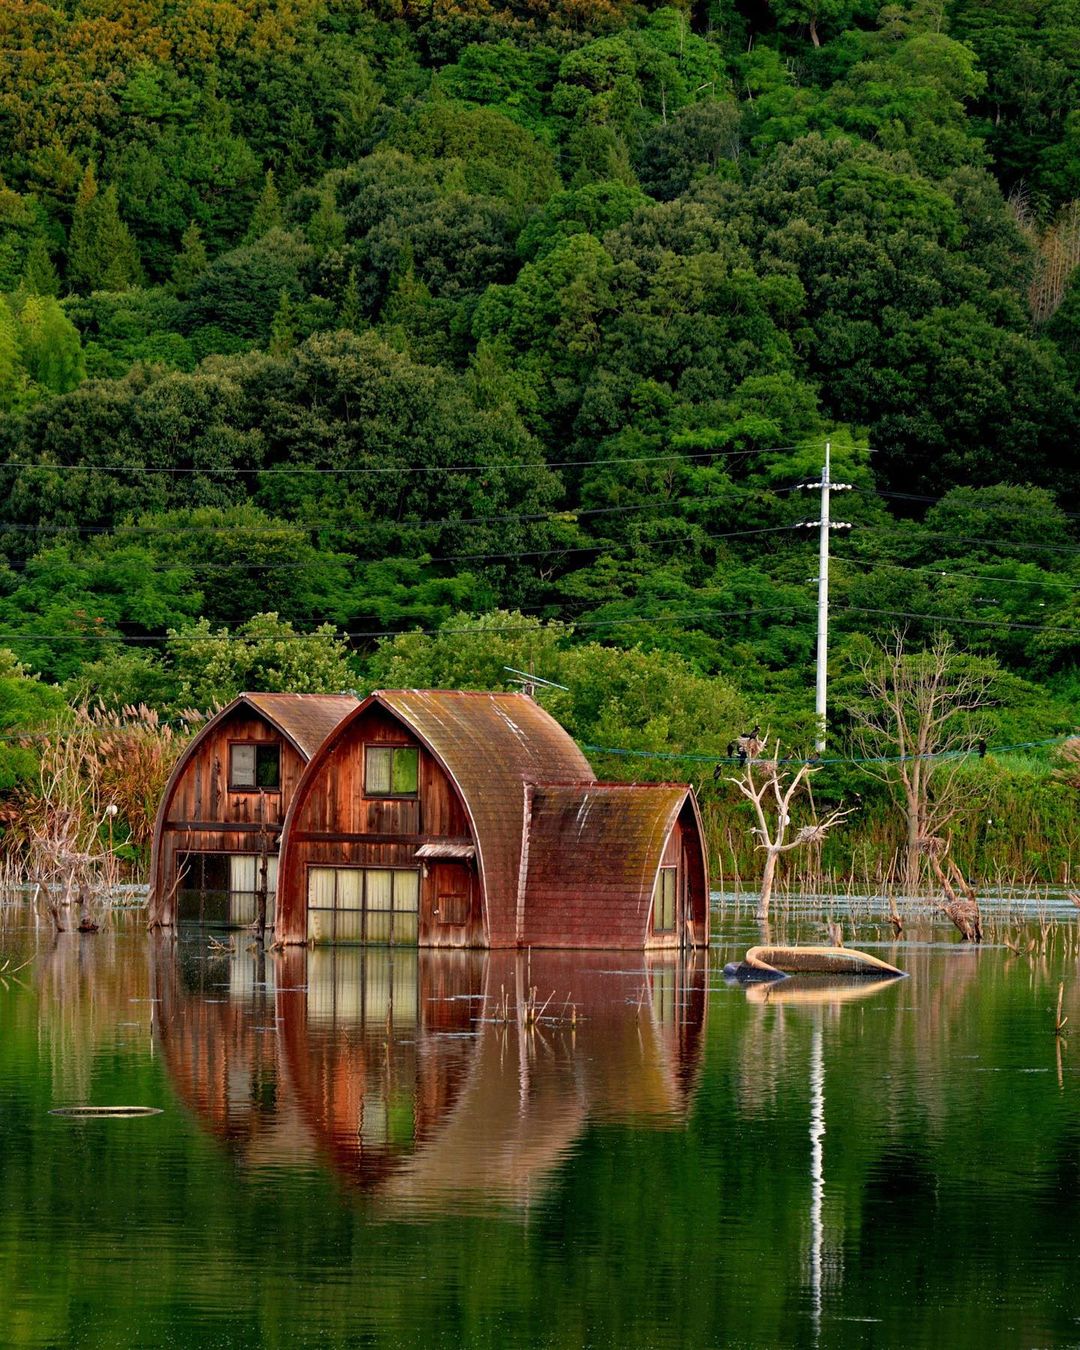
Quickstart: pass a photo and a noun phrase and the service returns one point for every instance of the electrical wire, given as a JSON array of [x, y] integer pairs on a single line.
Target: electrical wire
[[1050, 583], [703, 758], [304, 471]]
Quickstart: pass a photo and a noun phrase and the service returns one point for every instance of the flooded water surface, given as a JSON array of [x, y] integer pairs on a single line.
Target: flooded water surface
[[384, 1148]]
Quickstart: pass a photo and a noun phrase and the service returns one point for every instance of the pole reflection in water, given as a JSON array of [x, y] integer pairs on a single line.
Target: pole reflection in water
[[820, 995], [420, 1077], [817, 1169]]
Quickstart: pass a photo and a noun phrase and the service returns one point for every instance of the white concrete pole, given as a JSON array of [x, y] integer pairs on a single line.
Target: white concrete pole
[[823, 605]]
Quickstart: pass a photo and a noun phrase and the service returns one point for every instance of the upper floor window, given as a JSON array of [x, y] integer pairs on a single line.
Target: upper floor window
[[391, 770], [254, 765]]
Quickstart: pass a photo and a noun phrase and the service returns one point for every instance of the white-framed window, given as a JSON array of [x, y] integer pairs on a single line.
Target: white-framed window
[[364, 904], [254, 765], [391, 770]]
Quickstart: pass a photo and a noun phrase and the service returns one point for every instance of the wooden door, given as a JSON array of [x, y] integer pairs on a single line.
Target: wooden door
[[451, 887]]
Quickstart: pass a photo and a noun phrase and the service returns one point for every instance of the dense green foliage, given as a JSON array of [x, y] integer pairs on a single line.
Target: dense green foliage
[[384, 317]]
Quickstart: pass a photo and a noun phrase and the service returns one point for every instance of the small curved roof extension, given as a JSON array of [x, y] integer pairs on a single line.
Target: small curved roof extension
[[594, 855]]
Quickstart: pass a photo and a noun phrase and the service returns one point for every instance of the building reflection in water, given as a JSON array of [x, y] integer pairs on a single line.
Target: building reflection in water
[[415, 1074]]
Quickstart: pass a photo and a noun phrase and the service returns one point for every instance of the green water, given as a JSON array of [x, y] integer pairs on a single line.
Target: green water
[[366, 1149]]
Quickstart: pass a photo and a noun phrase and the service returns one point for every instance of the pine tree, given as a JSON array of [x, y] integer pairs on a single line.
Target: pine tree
[[267, 213], [102, 254], [191, 261], [326, 228], [40, 276], [349, 315], [10, 365], [82, 259], [283, 326], [119, 252]]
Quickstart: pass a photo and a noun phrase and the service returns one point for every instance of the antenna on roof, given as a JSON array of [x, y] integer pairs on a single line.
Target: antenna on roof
[[529, 683]]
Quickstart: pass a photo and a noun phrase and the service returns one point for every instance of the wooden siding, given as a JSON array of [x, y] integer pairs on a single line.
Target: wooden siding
[[493, 746], [336, 824], [200, 814]]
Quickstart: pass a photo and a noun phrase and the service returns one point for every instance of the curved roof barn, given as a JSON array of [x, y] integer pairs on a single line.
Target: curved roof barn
[[490, 745], [204, 813], [495, 834]]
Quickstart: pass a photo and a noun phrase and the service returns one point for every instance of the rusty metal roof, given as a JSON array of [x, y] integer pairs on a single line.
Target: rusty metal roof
[[492, 744], [306, 719], [594, 852]]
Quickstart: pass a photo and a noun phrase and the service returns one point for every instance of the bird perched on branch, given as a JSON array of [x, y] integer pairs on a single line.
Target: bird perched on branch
[[749, 743]]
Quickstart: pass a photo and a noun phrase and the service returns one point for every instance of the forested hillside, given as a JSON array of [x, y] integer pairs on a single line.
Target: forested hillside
[[368, 318]]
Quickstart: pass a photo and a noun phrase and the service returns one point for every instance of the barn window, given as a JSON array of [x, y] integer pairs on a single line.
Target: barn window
[[664, 901], [363, 904], [253, 765], [224, 887], [391, 770]]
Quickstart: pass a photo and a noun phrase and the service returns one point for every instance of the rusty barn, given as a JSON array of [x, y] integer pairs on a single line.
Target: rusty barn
[[449, 819], [225, 802]]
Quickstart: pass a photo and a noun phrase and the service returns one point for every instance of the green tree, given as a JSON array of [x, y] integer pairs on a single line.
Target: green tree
[[349, 315], [267, 214], [51, 351], [39, 275], [283, 326], [102, 254], [27, 704], [265, 653], [191, 261]]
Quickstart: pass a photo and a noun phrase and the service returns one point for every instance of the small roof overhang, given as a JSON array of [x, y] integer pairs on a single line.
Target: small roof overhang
[[446, 850]]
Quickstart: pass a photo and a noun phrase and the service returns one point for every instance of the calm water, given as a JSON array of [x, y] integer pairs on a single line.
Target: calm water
[[372, 1149]]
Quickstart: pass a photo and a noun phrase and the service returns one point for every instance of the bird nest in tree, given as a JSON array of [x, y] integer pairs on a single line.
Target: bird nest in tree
[[933, 845], [812, 834]]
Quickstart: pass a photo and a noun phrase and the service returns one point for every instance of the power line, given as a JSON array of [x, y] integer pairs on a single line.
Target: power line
[[630, 620], [302, 470], [1050, 583], [339, 636], [975, 506], [1006, 545], [696, 756], [552, 516], [947, 619], [600, 546]]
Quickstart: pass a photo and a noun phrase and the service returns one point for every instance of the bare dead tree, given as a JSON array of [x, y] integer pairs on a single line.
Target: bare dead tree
[[772, 790], [961, 903], [918, 713]]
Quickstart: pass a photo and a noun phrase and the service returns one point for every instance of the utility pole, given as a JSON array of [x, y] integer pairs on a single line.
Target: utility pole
[[824, 524]]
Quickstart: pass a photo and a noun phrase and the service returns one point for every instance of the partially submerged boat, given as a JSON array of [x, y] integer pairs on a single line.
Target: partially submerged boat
[[777, 963]]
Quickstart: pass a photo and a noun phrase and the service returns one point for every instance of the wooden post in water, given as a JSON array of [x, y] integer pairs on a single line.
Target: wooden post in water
[[264, 865]]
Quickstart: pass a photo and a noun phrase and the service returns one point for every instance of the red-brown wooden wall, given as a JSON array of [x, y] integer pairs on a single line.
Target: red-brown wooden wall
[[336, 825], [202, 815]]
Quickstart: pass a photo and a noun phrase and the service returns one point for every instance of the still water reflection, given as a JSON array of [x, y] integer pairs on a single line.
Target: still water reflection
[[374, 1148], [411, 1075]]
